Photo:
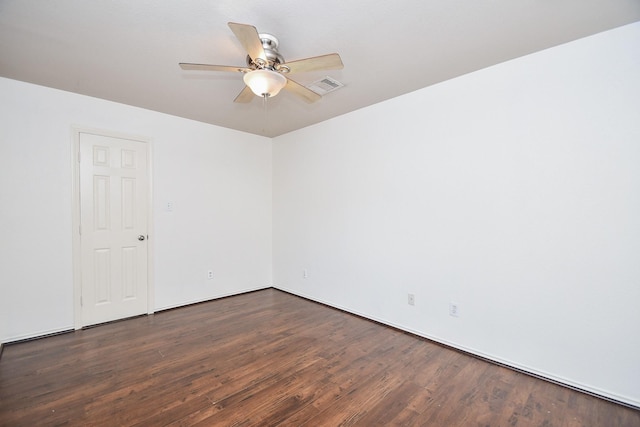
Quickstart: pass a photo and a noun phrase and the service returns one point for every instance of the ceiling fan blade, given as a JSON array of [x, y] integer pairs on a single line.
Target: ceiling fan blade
[[209, 67], [331, 61], [245, 96], [250, 40], [307, 94]]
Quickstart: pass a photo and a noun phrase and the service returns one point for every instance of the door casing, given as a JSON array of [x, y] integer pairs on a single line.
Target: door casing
[[76, 246]]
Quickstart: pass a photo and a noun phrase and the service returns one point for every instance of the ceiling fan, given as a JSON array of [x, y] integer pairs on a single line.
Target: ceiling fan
[[266, 72]]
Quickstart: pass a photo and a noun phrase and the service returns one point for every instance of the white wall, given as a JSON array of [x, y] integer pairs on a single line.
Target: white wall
[[218, 179], [513, 191]]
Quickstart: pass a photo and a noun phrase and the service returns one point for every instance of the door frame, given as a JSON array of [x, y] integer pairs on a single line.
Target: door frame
[[76, 131]]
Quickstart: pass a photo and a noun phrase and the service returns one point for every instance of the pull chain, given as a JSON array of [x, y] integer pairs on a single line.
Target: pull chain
[[264, 105]]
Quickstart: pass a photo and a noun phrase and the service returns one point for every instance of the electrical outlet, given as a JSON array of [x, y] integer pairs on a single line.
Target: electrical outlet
[[304, 274], [411, 299], [454, 309], [169, 207], [210, 274]]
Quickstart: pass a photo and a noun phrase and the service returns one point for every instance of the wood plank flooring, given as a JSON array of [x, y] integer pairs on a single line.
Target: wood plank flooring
[[268, 358]]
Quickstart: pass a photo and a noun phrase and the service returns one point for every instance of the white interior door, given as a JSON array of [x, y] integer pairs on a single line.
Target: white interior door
[[114, 195]]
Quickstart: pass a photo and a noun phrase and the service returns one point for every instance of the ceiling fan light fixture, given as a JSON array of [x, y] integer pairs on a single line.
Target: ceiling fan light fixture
[[265, 82]]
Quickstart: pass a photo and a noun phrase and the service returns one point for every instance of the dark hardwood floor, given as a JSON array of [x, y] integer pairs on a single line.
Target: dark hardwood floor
[[269, 358]]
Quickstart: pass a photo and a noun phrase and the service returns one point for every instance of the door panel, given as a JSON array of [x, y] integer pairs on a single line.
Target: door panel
[[114, 192]]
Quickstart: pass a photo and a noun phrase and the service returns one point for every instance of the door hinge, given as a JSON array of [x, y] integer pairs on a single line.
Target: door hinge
[[78, 156]]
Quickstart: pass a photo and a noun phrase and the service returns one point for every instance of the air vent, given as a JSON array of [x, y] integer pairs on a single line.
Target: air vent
[[325, 85]]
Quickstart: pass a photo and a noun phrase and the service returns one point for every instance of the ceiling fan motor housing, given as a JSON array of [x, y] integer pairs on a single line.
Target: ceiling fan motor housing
[[270, 45]]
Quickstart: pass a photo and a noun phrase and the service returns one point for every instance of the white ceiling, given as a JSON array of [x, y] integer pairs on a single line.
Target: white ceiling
[[128, 50]]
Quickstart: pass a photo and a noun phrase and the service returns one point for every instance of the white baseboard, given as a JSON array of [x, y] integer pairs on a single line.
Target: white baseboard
[[198, 301], [45, 333], [604, 394], [35, 335]]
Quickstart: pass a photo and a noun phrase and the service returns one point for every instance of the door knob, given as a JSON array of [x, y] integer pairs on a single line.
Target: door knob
[[141, 237]]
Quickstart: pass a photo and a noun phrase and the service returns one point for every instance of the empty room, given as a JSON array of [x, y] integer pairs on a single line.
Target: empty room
[[320, 213]]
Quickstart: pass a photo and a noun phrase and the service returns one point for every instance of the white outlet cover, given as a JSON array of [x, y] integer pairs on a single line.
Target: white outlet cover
[[454, 309]]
